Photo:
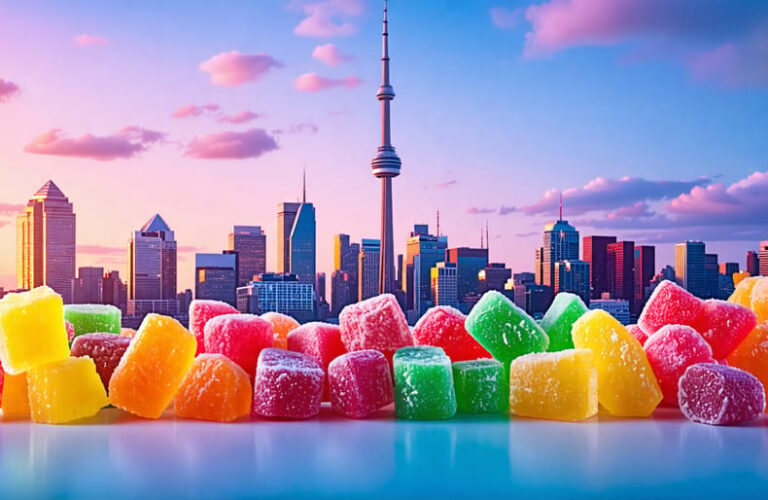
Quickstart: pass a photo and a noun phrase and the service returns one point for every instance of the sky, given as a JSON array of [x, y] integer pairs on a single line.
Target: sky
[[649, 116]]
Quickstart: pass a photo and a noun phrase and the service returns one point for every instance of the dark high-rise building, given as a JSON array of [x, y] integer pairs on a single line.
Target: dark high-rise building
[[152, 269], [534, 298], [753, 263], [712, 276], [727, 270], [250, 243], [345, 257], [561, 242], [431, 250], [690, 269], [296, 239], [444, 283], [286, 215], [469, 262], [87, 288], [320, 287], [342, 292], [763, 258], [523, 278], [572, 276], [216, 277], [621, 271], [645, 268], [596, 253], [368, 269], [45, 242], [539, 270], [493, 277], [115, 292]]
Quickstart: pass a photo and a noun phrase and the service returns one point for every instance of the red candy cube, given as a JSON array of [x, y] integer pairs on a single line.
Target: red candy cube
[[105, 349], [200, 311], [443, 326], [669, 304], [240, 337], [361, 383], [322, 341], [671, 351], [724, 325], [70, 330], [376, 323], [287, 385], [638, 333]]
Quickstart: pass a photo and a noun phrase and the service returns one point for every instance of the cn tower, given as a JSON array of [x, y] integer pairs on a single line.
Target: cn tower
[[385, 166]]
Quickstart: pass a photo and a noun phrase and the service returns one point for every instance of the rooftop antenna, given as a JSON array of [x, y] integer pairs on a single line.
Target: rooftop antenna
[[487, 236], [438, 222], [304, 186], [481, 237], [561, 206]]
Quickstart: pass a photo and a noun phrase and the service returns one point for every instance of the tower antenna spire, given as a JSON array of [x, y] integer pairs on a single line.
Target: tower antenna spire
[[487, 237], [438, 222], [481, 237], [304, 186], [561, 206]]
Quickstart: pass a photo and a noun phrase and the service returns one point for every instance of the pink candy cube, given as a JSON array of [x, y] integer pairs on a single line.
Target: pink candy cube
[[724, 325], [200, 311], [70, 330], [670, 351], [376, 323], [287, 385], [361, 383], [638, 333], [240, 337], [322, 341], [720, 395], [443, 326], [105, 349], [669, 304]]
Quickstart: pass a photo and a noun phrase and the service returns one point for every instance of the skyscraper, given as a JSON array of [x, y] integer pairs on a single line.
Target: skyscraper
[[572, 276], [763, 256], [469, 262], [712, 276], [493, 277], [561, 242], [596, 253], [753, 263], [115, 292], [342, 293], [727, 270], [216, 276], [621, 271], [444, 284], [386, 165], [250, 243], [88, 287], [368, 267], [45, 242], [345, 256], [320, 287], [278, 292], [152, 269], [430, 250], [645, 268], [286, 215], [689, 267], [296, 239]]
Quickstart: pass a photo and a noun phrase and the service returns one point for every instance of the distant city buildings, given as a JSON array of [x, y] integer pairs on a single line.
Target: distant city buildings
[[763, 258], [152, 269], [493, 277], [45, 242], [561, 242], [423, 252], [278, 292], [250, 243], [711, 276], [297, 239], [595, 250], [469, 262], [444, 282], [115, 291], [690, 267], [368, 269], [618, 308], [87, 288], [216, 277], [344, 280], [645, 268], [572, 276], [753, 263], [621, 271]]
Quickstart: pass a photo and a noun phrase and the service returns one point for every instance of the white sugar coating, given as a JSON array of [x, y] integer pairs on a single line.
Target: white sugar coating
[[720, 395], [375, 323], [452, 311], [562, 302], [421, 355], [477, 364], [668, 304], [16, 299], [92, 308], [272, 359], [537, 357]]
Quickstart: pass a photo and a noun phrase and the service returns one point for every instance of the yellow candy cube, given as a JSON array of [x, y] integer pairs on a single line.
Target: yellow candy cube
[[554, 385], [151, 370], [15, 400], [626, 385], [32, 331], [742, 295], [65, 391]]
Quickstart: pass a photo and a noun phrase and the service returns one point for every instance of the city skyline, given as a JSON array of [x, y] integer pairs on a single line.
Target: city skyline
[[318, 92]]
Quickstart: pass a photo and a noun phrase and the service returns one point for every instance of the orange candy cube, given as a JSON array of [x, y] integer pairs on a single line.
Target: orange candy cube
[[752, 354], [151, 370], [216, 388], [282, 324], [15, 397]]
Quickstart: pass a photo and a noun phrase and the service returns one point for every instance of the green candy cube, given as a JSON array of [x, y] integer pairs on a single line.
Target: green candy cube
[[505, 330], [423, 384], [560, 317], [93, 318], [482, 386]]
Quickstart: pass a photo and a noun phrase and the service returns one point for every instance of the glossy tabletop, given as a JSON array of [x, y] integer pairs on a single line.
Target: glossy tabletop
[[116, 456]]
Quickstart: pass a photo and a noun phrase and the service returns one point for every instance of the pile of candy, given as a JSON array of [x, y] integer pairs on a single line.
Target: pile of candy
[[709, 358]]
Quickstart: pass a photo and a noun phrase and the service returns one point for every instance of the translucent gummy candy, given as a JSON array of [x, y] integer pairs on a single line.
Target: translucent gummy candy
[[376, 323], [106, 350], [216, 388], [153, 366], [627, 386], [670, 351], [92, 318], [504, 329], [288, 385], [720, 395], [759, 301], [638, 333], [32, 331], [360, 383], [559, 319], [443, 326], [559, 386], [200, 311], [481, 385], [64, 391], [240, 337], [752, 354], [724, 325], [282, 324], [15, 397], [423, 384], [322, 341], [742, 295], [669, 304]]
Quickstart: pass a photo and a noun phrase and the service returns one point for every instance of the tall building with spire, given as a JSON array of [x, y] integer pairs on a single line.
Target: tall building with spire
[[386, 166], [45, 242], [296, 238], [561, 242]]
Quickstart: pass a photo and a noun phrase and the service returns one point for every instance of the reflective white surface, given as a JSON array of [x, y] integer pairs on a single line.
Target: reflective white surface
[[115, 455]]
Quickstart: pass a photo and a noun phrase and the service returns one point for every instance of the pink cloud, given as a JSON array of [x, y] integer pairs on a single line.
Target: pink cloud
[[191, 110], [330, 54], [734, 64], [639, 209], [746, 197], [446, 184], [251, 143], [308, 127], [327, 18], [312, 82], [86, 40], [10, 208], [126, 143], [232, 69], [241, 117], [8, 90], [100, 250], [480, 210], [505, 18]]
